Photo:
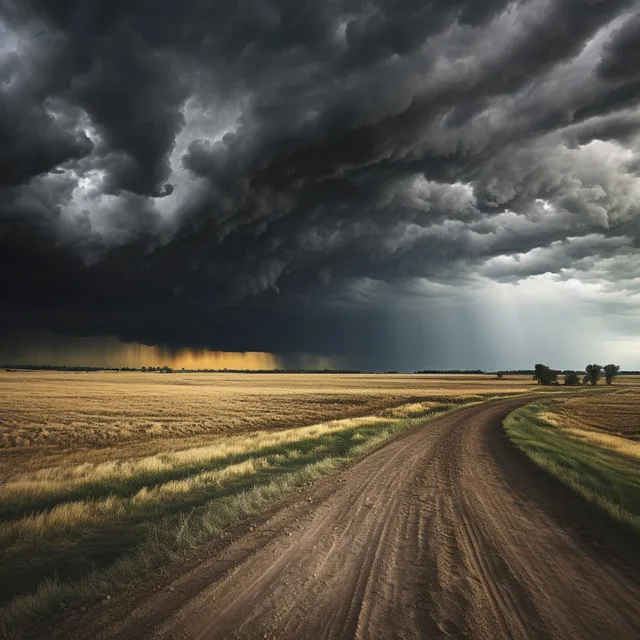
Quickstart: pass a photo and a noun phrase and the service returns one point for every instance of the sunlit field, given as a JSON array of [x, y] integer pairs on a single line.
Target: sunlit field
[[68, 410], [106, 475]]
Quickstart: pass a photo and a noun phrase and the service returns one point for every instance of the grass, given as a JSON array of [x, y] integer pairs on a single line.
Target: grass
[[148, 411], [603, 469], [106, 476], [615, 443], [80, 533]]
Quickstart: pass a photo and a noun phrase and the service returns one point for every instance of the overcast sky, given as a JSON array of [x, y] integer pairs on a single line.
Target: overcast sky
[[418, 184]]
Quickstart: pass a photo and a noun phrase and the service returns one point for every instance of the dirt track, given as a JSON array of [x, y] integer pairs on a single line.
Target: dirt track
[[445, 532]]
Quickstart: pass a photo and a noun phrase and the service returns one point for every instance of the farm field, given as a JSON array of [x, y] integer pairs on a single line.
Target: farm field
[[106, 475], [616, 414], [53, 411], [591, 444], [413, 540]]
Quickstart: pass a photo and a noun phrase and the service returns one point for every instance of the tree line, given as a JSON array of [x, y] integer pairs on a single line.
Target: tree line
[[592, 373], [168, 369]]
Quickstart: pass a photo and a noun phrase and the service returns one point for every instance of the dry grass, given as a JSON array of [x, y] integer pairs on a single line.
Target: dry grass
[[617, 414], [619, 444], [615, 443], [179, 471], [106, 475], [94, 414]]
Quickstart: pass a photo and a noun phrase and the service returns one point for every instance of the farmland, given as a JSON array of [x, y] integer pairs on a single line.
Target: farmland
[[61, 410], [616, 414], [591, 444], [106, 475]]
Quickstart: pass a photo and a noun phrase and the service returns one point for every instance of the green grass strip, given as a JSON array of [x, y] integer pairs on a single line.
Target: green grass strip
[[602, 476]]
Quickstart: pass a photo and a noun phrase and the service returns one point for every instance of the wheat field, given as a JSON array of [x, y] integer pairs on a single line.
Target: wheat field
[[616, 414], [91, 412], [106, 475]]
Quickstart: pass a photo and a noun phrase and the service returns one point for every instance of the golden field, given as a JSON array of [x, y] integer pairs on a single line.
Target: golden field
[[59, 410], [615, 414], [107, 475]]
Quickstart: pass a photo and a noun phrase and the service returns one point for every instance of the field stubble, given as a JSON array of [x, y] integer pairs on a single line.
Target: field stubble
[[616, 414], [106, 475], [56, 410]]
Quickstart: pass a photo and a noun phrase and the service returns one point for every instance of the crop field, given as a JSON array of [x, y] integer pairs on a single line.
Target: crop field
[[107, 475], [617, 414], [56, 410], [591, 443]]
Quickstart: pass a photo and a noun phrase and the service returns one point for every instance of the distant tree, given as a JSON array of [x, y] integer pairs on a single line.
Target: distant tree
[[571, 378], [544, 375], [593, 373], [610, 372], [499, 374], [166, 369]]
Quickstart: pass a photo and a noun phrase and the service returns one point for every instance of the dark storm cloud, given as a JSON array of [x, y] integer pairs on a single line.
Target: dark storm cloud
[[88, 64], [621, 56], [222, 173]]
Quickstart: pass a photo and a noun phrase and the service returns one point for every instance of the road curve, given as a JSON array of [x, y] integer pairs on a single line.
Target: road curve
[[447, 531]]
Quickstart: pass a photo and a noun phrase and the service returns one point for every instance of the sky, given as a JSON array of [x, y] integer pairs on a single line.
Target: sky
[[45, 348], [385, 185]]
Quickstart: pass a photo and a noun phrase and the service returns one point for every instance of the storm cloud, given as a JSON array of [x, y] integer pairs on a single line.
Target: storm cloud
[[286, 176]]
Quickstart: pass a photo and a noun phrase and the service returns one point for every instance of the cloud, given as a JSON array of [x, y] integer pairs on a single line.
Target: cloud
[[230, 174], [622, 52]]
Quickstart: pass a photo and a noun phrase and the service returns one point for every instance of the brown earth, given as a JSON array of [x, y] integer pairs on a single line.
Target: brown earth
[[614, 413], [445, 532]]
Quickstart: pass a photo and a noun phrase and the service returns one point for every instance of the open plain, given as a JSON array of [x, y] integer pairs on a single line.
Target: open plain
[[107, 475], [194, 506], [58, 410]]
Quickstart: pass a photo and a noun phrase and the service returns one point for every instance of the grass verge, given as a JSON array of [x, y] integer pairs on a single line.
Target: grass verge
[[77, 551], [601, 475]]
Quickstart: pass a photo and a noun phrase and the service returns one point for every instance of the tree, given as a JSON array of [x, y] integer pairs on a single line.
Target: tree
[[544, 375], [593, 373], [499, 374], [610, 371], [571, 378]]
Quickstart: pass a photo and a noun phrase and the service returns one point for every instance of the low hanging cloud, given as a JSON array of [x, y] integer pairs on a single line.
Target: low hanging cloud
[[230, 173]]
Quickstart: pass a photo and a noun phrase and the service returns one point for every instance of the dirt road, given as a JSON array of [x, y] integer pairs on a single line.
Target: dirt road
[[445, 532]]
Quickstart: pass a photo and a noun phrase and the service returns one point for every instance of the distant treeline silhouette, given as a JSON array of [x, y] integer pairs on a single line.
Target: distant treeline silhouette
[[166, 369], [459, 371]]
